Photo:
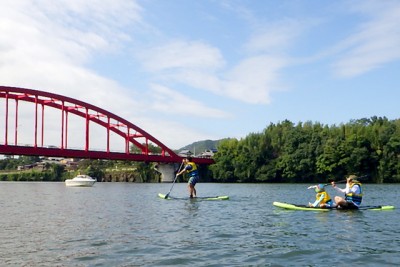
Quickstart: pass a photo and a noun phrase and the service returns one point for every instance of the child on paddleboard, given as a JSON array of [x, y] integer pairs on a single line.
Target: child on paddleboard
[[322, 198]]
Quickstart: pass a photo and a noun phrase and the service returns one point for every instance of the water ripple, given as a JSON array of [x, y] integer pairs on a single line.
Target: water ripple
[[111, 224]]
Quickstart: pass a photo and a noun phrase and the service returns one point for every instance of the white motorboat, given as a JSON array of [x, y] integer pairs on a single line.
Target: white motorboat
[[80, 180]]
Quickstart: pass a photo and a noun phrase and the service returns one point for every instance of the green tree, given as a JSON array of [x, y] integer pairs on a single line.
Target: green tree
[[223, 170], [57, 171]]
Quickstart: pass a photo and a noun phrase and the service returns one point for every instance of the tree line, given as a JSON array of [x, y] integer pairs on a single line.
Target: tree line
[[56, 172], [283, 152], [312, 152]]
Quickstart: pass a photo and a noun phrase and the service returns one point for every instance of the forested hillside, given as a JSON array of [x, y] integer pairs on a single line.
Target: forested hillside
[[312, 152], [201, 146]]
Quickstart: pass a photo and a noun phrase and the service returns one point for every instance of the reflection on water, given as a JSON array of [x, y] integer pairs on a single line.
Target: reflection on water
[[111, 224]]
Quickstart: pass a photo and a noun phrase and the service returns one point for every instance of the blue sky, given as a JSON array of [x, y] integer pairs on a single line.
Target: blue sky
[[186, 71]]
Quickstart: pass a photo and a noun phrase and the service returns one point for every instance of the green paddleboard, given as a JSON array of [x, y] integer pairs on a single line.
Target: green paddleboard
[[296, 207], [306, 208], [195, 198]]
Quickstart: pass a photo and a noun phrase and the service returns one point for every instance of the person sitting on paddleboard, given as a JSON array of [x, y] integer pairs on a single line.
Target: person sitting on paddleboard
[[191, 169], [323, 200], [353, 194]]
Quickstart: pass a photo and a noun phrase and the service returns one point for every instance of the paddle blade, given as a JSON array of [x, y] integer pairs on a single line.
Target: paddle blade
[[166, 196]]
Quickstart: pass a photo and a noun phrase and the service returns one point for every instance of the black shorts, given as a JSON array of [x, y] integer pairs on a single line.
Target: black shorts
[[350, 206]]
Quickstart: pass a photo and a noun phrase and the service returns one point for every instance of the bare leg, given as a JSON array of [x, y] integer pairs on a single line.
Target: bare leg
[[340, 202], [191, 190]]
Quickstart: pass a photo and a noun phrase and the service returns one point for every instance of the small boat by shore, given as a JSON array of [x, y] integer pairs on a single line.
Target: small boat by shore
[[80, 180]]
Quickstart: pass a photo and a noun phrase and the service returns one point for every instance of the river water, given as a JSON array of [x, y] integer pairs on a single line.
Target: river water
[[126, 224]]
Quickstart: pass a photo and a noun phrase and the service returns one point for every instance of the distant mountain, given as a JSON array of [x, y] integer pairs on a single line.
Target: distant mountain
[[200, 146]]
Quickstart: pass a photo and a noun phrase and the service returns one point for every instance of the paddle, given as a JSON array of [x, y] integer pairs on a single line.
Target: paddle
[[176, 176], [344, 181], [341, 181]]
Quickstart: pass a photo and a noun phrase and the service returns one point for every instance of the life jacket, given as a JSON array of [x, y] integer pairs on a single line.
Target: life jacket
[[326, 199], [193, 170], [352, 197]]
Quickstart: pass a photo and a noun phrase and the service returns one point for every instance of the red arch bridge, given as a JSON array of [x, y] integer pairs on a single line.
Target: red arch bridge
[[38, 123]]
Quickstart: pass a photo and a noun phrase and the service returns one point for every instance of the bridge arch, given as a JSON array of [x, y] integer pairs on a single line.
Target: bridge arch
[[111, 123]]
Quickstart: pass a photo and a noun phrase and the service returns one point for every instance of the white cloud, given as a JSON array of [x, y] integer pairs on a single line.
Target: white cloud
[[208, 81], [68, 31], [376, 42], [179, 54], [199, 66], [169, 101], [45, 46], [253, 79], [48, 46], [175, 134], [275, 37]]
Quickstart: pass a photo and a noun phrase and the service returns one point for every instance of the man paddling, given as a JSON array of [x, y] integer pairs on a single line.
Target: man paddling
[[353, 194], [191, 169]]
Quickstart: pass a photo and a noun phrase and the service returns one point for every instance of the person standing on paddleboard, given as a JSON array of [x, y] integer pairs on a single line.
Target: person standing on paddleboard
[[353, 194], [191, 169]]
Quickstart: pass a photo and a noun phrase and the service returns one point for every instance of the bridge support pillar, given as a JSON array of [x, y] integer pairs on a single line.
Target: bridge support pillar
[[167, 171]]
